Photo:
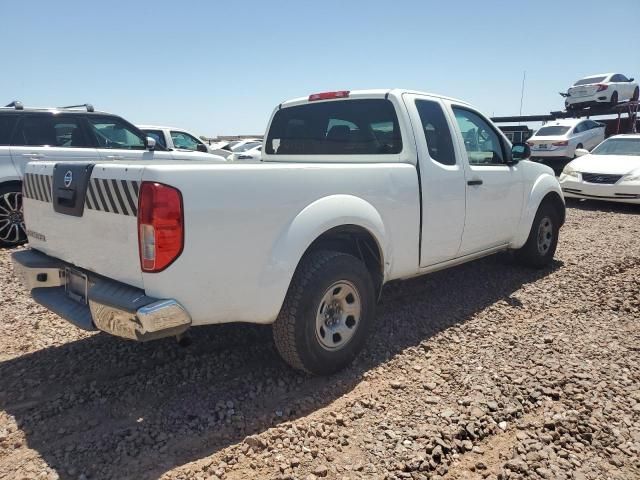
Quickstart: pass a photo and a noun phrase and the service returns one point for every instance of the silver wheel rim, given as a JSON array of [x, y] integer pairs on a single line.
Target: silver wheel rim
[[11, 219], [545, 235], [338, 315]]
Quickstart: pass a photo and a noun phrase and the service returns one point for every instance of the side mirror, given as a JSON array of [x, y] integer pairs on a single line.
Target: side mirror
[[150, 143], [520, 151], [581, 151], [631, 79], [202, 148]]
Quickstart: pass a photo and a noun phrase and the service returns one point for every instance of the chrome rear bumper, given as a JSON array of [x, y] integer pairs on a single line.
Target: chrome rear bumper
[[110, 306]]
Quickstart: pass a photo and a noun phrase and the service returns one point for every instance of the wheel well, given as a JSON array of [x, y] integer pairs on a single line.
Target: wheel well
[[556, 202], [357, 241], [11, 183]]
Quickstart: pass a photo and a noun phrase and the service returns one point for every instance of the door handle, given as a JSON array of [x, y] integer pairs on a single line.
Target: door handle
[[32, 155], [475, 182], [114, 157]]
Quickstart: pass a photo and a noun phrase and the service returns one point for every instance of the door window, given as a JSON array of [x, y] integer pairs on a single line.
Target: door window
[[481, 141], [184, 141], [436, 132], [111, 132], [157, 135], [579, 128]]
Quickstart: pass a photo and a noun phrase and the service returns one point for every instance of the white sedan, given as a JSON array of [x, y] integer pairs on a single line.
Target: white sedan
[[610, 172], [561, 138], [605, 88]]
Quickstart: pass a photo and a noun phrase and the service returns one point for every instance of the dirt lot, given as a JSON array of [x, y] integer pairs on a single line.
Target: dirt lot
[[484, 371]]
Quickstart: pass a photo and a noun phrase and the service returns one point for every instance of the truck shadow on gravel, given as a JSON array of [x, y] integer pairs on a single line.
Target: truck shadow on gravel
[[106, 408]]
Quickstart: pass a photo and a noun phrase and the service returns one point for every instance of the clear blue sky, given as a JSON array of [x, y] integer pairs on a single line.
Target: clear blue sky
[[220, 67]]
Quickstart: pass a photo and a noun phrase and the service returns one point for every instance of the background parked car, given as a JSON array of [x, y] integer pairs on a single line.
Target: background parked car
[[601, 89], [610, 172], [176, 139], [251, 154], [65, 134], [558, 140]]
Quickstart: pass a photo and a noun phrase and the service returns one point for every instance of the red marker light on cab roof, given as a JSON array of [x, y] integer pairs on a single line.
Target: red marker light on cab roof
[[328, 95]]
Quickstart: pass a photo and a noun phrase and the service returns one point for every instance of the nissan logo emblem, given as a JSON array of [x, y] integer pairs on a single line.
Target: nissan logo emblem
[[68, 178]]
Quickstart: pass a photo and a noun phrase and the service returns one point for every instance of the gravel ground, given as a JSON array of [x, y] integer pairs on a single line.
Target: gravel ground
[[487, 370]]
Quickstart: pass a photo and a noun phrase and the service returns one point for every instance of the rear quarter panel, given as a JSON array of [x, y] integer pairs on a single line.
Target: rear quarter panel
[[248, 225]]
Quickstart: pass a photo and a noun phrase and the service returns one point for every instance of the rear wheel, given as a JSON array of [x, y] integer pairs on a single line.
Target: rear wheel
[[12, 230], [542, 242], [327, 313]]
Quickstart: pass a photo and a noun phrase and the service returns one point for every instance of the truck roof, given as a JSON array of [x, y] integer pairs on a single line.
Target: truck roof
[[371, 93]]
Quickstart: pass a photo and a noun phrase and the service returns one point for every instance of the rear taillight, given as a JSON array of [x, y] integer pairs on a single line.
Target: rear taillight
[[602, 87], [564, 143], [329, 95], [160, 226], [530, 144]]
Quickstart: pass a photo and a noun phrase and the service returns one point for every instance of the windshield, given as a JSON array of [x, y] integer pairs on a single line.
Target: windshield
[[589, 81], [552, 131], [618, 146]]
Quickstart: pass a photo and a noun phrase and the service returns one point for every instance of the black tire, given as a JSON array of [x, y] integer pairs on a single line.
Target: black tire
[[296, 331], [577, 147], [542, 242], [614, 99], [12, 231], [636, 94]]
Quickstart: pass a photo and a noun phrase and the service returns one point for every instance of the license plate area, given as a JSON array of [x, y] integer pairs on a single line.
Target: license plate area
[[76, 285], [542, 146]]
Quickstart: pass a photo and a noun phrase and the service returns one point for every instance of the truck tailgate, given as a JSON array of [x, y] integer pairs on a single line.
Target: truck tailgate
[[85, 214]]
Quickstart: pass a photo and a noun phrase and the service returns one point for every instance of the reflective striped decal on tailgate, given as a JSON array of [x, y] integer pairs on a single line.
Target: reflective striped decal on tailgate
[[113, 196], [37, 186], [103, 194]]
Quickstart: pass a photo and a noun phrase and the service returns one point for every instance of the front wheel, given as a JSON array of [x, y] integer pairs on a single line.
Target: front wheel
[[542, 242], [614, 99], [12, 231], [327, 313], [636, 94]]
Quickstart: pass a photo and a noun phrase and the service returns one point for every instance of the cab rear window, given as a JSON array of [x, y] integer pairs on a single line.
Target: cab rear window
[[347, 127]]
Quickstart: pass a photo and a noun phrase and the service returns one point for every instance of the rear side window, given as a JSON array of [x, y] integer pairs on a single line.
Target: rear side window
[[347, 127], [436, 132], [7, 124], [51, 130]]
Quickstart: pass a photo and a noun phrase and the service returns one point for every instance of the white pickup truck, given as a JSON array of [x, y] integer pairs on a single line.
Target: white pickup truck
[[355, 189]]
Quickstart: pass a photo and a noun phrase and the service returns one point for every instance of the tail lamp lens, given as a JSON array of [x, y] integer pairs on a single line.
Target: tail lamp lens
[[560, 144], [602, 87], [160, 226]]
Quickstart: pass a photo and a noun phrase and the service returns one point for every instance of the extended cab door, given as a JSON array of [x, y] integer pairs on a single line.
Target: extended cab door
[[442, 179], [494, 189], [45, 136]]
